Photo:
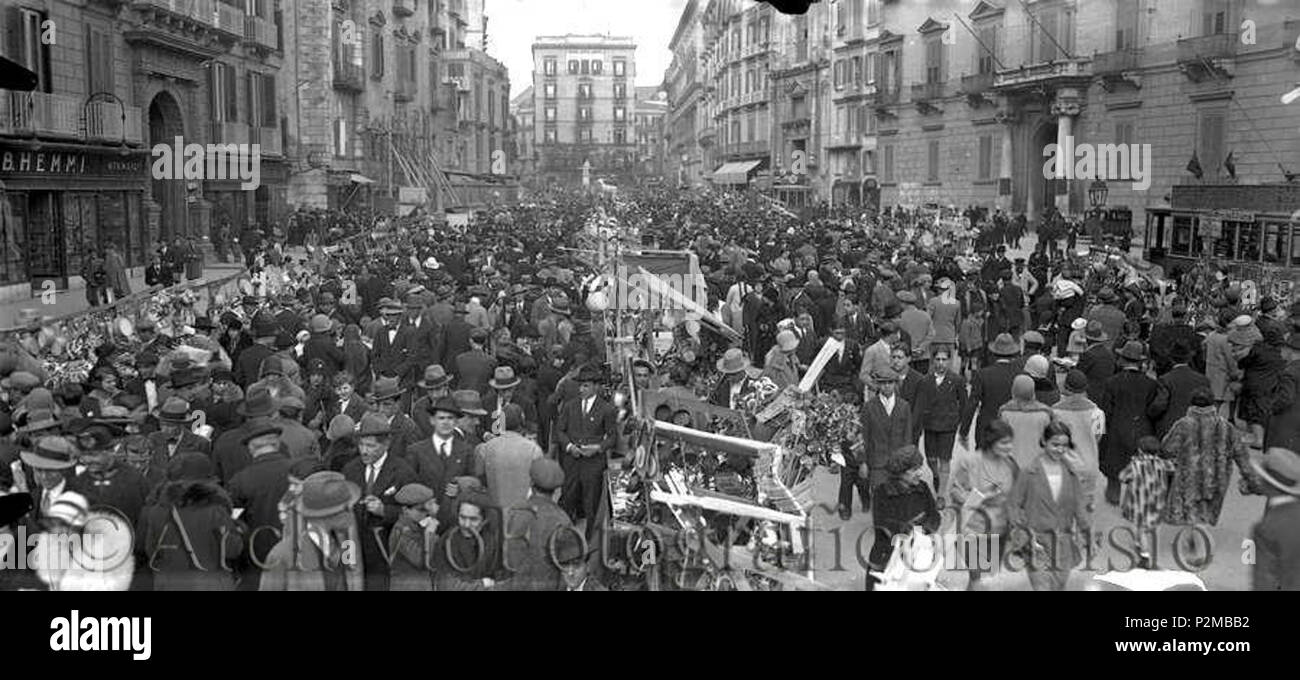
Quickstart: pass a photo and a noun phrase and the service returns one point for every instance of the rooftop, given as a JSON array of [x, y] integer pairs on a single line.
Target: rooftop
[[583, 40]]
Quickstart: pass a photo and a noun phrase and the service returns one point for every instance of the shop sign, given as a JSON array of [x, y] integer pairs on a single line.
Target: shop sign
[[54, 164]]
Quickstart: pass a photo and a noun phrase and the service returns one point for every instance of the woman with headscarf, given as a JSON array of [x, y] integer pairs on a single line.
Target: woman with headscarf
[[981, 485], [468, 557], [1204, 447], [1047, 506], [187, 534], [782, 363], [1027, 417], [901, 502]]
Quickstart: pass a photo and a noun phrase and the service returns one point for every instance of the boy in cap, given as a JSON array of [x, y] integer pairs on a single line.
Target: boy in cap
[[529, 528], [412, 537]]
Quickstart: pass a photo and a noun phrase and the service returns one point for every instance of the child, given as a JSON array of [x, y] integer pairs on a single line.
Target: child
[[903, 501], [1145, 486], [971, 340]]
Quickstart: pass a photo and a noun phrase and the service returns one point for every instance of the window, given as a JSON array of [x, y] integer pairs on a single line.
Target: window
[[934, 60], [584, 113], [584, 90], [838, 74], [887, 153], [987, 52], [1214, 17], [932, 162], [620, 114], [620, 90], [858, 72], [550, 114], [1126, 25], [597, 66], [548, 136], [1295, 246], [798, 107], [573, 66], [549, 90], [548, 66], [586, 67], [620, 67], [1275, 243], [261, 100], [377, 54], [1056, 29], [735, 130], [891, 75], [1185, 241], [26, 47], [1124, 131], [986, 157], [99, 60], [585, 135], [873, 12], [1210, 140], [620, 136], [222, 86]]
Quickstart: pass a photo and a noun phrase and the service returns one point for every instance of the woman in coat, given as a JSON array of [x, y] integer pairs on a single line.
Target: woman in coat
[[1220, 364], [187, 533], [945, 315], [1047, 513], [1261, 370], [1126, 399], [1204, 446], [981, 484], [1027, 417], [903, 501]]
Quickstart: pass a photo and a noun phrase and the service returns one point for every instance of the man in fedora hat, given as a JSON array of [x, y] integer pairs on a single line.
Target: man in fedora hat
[[1097, 363], [877, 355], [426, 336], [107, 480], [443, 458], [315, 555], [1277, 535], [1284, 423], [230, 451], [1176, 331], [257, 490], [473, 369], [530, 527], [321, 346], [586, 432], [505, 390], [52, 460], [576, 563], [736, 383], [990, 386], [393, 343], [379, 474], [175, 419], [1127, 399], [385, 398], [1175, 388], [248, 363], [433, 386]]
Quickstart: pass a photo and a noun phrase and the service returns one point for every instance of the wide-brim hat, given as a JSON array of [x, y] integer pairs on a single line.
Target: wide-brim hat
[[1281, 468], [447, 405], [1004, 346], [259, 403], [175, 410], [1133, 351], [385, 389], [39, 420], [468, 401], [504, 378], [733, 361], [326, 493], [51, 453], [435, 376], [1096, 333]]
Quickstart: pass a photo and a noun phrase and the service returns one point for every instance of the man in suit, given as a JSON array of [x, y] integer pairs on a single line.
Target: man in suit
[[936, 413], [52, 460], [433, 386], [990, 387], [1012, 299], [379, 475], [1277, 535], [346, 401], [505, 391], [443, 458], [1097, 363], [857, 325], [321, 346], [230, 452], [1175, 388], [586, 431], [886, 427], [174, 435], [1127, 400], [385, 398], [841, 372], [909, 379], [473, 369], [878, 355], [391, 353], [425, 335], [455, 337], [257, 490], [1284, 425], [1107, 313], [503, 463], [248, 364]]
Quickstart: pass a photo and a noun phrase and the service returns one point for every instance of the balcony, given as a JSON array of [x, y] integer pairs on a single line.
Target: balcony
[[758, 148], [349, 77], [229, 20], [1208, 56], [403, 8], [844, 142], [886, 97], [976, 84], [201, 11], [104, 123], [1120, 66], [1063, 73], [261, 33], [222, 132], [269, 139]]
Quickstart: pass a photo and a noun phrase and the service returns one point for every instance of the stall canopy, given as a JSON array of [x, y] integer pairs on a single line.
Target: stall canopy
[[735, 173]]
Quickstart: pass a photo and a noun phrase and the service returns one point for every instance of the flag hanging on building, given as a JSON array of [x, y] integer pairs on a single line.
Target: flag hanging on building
[[1230, 165], [1194, 166]]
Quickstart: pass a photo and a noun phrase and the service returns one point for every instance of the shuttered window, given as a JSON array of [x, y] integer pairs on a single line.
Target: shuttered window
[[376, 54], [888, 171], [1126, 25], [223, 93], [1211, 140], [22, 36], [932, 162], [99, 61], [261, 100], [986, 157], [988, 51], [934, 61]]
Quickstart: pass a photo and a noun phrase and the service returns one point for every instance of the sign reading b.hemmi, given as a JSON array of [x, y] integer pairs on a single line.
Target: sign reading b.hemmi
[[213, 161]]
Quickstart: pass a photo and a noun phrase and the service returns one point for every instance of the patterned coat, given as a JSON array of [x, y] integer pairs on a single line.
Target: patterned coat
[[1204, 446], [1142, 498]]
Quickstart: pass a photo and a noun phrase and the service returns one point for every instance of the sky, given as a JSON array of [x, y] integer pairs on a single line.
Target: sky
[[512, 25]]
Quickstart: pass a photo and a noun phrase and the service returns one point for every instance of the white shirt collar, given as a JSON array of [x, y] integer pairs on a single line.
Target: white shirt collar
[[379, 464], [439, 441], [888, 403]]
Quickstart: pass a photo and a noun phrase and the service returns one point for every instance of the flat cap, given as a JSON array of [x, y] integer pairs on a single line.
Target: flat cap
[[546, 474]]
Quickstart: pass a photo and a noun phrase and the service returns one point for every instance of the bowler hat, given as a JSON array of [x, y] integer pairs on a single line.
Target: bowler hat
[[435, 376], [1281, 468], [327, 493], [504, 378], [1004, 346], [546, 474]]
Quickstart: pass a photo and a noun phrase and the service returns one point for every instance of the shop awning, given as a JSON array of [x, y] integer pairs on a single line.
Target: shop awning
[[360, 179], [735, 173]]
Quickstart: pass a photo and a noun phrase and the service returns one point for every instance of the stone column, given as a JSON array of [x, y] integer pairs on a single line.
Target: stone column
[[1065, 108], [1007, 122]]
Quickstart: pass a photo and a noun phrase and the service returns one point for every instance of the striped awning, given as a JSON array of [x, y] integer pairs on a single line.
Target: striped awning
[[735, 173]]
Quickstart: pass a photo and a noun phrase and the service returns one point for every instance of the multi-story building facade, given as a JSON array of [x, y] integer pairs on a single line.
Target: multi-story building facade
[[685, 124], [116, 79], [584, 97], [521, 107], [390, 99], [801, 78], [651, 113]]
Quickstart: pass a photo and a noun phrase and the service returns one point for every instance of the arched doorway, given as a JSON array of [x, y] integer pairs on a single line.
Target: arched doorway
[[1041, 190], [166, 124]]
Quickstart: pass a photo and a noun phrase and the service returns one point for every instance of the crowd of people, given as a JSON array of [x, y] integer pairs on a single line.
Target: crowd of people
[[414, 406]]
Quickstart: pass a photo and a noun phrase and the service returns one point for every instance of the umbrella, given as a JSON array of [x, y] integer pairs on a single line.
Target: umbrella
[[15, 76]]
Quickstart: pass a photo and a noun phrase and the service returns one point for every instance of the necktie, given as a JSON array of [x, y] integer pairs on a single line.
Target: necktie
[[371, 473], [445, 449], [45, 502]]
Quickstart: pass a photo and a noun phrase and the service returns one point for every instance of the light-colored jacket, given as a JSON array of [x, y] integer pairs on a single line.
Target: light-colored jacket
[[503, 463], [1087, 424], [781, 368], [1220, 364]]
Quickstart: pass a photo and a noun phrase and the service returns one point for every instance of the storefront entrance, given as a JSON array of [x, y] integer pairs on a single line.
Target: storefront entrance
[[165, 124]]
